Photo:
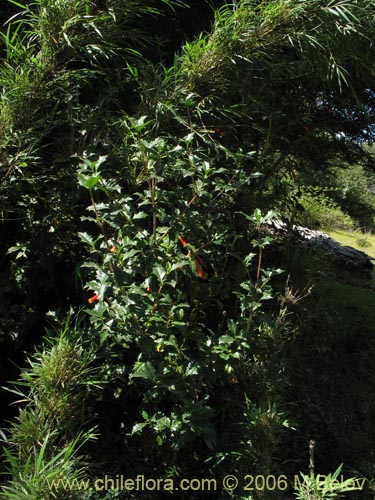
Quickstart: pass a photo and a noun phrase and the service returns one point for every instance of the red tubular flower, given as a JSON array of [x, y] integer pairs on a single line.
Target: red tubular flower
[[198, 262], [94, 298], [113, 249], [182, 241]]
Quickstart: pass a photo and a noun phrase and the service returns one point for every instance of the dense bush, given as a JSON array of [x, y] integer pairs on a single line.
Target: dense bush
[[178, 296], [318, 211], [354, 190], [53, 425], [349, 187]]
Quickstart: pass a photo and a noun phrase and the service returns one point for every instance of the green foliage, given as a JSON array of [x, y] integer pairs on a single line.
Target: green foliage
[[179, 328], [353, 189], [247, 29], [172, 159], [267, 57], [313, 487], [35, 478], [55, 389], [43, 443], [56, 98], [318, 211], [350, 186]]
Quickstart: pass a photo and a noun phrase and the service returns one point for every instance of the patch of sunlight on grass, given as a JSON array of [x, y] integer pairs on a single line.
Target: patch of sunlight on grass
[[355, 239]]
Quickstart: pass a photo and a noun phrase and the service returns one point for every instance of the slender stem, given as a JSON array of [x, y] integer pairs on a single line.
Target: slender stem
[[152, 190], [249, 321], [311, 456], [259, 266]]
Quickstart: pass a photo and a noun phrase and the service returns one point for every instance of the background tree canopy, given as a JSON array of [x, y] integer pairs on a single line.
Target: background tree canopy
[[145, 148]]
